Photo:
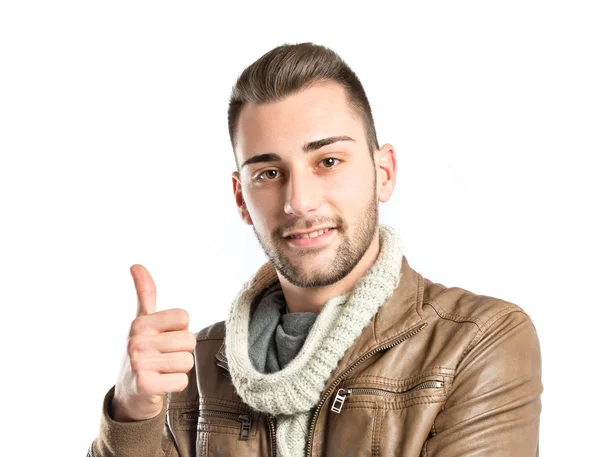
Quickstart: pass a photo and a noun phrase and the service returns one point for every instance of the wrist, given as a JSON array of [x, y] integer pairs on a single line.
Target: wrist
[[119, 411]]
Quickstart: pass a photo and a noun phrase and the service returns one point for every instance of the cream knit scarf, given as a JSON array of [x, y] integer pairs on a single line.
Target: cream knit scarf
[[292, 393]]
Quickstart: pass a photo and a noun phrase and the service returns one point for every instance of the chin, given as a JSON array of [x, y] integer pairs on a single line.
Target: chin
[[318, 276]]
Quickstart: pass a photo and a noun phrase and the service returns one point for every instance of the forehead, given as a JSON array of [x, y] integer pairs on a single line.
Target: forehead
[[320, 111]]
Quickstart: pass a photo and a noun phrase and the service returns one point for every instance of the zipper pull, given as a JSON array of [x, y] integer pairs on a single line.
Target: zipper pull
[[245, 427], [340, 398]]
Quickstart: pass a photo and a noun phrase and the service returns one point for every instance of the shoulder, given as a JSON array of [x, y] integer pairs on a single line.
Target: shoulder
[[210, 353], [483, 330], [463, 306], [213, 332]]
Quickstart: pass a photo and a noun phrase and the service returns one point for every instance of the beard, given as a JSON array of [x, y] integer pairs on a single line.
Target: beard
[[346, 256]]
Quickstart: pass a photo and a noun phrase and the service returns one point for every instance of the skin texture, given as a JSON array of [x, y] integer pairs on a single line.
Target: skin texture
[[291, 190]]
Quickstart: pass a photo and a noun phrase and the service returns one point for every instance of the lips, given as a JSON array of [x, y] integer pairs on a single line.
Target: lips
[[316, 238], [312, 234]]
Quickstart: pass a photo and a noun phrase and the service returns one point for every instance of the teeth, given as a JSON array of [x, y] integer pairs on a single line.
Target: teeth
[[311, 234]]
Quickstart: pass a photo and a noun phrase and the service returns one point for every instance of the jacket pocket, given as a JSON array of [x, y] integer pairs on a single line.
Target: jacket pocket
[[371, 419], [342, 394], [225, 431], [241, 421]]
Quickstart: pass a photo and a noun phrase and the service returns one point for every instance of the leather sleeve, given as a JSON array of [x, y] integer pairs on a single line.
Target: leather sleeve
[[147, 438], [494, 405]]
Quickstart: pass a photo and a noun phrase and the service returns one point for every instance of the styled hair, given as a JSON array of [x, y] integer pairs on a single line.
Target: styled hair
[[290, 68]]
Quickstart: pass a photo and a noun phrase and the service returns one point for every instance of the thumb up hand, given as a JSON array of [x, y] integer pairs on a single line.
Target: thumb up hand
[[158, 358]]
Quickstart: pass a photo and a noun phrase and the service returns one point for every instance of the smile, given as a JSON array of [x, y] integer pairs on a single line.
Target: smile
[[311, 234], [313, 239]]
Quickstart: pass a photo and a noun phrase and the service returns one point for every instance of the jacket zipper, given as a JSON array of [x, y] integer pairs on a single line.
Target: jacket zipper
[[271, 420], [339, 379], [342, 394], [244, 419]]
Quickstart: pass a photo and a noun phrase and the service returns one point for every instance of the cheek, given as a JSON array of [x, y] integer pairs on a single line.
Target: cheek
[[264, 208], [355, 187]]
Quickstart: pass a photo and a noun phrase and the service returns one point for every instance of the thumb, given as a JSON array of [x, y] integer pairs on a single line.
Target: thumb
[[145, 290]]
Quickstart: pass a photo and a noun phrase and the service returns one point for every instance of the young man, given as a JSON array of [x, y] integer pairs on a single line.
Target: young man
[[336, 346]]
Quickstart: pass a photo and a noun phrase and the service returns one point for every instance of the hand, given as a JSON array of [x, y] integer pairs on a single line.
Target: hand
[[159, 355]]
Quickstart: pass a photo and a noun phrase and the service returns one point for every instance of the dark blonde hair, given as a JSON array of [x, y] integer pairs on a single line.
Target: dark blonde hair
[[290, 68]]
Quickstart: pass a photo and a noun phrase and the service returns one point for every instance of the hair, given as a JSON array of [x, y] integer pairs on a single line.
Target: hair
[[290, 68]]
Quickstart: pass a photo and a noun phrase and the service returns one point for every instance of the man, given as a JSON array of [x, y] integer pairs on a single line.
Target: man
[[336, 346]]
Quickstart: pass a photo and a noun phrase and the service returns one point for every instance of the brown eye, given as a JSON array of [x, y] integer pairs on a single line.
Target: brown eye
[[329, 162], [268, 174]]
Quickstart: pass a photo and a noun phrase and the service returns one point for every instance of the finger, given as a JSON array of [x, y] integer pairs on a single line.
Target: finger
[[173, 362], [173, 382], [169, 320], [160, 384], [148, 343], [178, 341], [145, 290]]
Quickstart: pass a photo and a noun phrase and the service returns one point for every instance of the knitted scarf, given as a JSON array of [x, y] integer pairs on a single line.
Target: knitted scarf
[[292, 393]]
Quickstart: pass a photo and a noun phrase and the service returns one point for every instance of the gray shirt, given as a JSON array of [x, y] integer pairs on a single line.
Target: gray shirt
[[275, 336]]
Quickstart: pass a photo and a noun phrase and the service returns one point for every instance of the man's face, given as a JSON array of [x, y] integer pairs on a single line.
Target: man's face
[[294, 184]]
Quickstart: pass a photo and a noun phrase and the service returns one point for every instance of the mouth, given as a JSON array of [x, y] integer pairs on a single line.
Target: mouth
[[312, 234], [311, 239]]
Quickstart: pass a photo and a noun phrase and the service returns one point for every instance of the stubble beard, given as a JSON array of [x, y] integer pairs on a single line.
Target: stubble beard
[[346, 257]]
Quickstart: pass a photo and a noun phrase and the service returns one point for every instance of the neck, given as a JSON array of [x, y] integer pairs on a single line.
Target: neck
[[312, 299]]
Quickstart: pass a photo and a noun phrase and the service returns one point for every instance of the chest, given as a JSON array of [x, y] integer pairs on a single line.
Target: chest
[[385, 406]]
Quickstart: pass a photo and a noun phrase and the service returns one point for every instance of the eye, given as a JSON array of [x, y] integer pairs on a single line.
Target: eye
[[330, 162], [267, 175]]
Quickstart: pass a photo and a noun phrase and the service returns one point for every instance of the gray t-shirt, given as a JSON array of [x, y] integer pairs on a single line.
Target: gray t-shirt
[[275, 336]]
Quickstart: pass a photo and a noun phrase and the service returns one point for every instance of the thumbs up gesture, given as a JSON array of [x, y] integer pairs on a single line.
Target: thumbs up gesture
[[159, 355]]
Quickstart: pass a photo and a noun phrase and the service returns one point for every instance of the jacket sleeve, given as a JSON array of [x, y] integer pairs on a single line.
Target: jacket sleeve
[[493, 408], [147, 438]]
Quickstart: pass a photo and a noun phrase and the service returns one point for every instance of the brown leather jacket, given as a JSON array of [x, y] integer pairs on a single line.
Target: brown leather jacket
[[438, 372]]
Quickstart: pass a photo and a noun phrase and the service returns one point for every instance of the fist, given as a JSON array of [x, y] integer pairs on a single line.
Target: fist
[[158, 358]]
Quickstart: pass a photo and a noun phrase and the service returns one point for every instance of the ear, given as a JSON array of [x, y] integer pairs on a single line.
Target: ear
[[239, 198], [385, 167]]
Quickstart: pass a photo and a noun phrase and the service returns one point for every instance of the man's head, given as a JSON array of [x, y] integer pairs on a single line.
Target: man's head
[[288, 69], [307, 159]]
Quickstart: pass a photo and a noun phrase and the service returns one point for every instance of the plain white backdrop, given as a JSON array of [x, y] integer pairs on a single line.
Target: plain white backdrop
[[114, 151]]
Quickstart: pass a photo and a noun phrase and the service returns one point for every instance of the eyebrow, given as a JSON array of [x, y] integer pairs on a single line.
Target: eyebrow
[[314, 145], [308, 147]]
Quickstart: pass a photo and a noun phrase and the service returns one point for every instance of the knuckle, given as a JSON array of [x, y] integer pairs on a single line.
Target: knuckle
[[131, 347], [134, 346], [137, 326], [137, 364]]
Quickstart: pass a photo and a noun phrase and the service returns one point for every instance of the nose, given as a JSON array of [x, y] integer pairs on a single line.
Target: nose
[[303, 194]]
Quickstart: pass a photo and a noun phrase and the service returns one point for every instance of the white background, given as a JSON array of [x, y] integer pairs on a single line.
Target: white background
[[114, 151]]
